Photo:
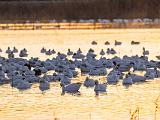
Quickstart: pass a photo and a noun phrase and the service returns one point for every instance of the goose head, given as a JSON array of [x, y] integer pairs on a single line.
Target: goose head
[[144, 49], [155, 69], [91, 50], [79, 83], [58, 53], [61, 84], [114, 63], [96, 82], [87, 78], [41, 81], [63, 88], [8, 48]]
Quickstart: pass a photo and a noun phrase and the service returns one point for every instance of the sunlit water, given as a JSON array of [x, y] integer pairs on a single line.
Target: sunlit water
[[115, 105]]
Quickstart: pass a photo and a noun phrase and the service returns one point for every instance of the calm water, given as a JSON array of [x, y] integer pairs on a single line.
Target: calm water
[[115, 105]]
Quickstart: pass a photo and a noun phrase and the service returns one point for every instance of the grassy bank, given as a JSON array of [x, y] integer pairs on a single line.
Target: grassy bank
[[11, 10]]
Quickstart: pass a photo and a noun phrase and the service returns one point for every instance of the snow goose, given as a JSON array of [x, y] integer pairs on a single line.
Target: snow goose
[[99, 87], [43, 50], [44, 85], [49, 52], [15, 50], [53, 51], [89, 82], [127, 80], [71, 88], [23, 85], [112, 78], [102, 52], [69, 52], [8, 50], [145, 52]]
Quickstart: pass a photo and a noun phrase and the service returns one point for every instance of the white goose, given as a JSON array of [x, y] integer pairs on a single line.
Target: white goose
[[53, 51], [102, 52], [69, 52], [71, 88], [99, 87], [127, 80], [112, 78], [15, 50], [8, 50], [44, 85], [23, 85], [79, 51], [11, 55], [43, 50], [23, 53], [89, 82], [145, 52], [49, 52]]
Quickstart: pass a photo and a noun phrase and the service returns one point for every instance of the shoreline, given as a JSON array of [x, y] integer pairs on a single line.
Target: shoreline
[[76, 26]]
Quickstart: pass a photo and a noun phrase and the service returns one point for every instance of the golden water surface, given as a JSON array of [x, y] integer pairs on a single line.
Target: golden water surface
[[115, 105]]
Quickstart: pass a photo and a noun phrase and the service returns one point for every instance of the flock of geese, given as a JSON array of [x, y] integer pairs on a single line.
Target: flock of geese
[[22, 73], [116, 43]]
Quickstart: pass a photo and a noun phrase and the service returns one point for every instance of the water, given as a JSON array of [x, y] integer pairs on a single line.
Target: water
[[115, 105]]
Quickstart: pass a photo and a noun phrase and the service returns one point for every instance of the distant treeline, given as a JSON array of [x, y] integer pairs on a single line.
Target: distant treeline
[[72, 10]]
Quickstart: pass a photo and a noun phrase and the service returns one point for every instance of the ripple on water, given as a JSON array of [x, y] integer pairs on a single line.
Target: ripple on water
[[115, 105]]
